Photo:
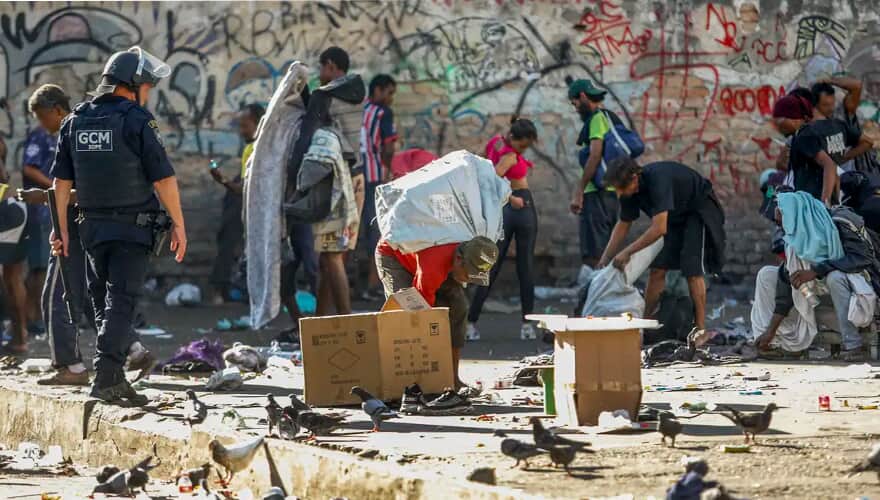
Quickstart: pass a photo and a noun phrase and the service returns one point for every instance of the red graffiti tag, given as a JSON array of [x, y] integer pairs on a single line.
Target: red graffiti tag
[[745, 100], [609, 32], [729, 27]]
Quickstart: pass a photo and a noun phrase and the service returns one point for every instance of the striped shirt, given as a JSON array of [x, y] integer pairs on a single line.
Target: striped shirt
[[377, 130]]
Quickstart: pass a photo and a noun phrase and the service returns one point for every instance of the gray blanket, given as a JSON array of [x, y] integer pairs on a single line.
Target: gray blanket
[[264, 192]]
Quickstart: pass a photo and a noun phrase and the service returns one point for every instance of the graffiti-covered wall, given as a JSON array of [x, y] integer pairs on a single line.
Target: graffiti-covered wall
[[696, 79]]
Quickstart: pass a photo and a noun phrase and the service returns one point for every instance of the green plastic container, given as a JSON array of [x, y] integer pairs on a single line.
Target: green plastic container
[[545, 376]]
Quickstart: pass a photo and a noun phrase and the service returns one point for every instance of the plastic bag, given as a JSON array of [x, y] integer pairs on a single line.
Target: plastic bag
[[611, 292], [184, 294], [451, 200]]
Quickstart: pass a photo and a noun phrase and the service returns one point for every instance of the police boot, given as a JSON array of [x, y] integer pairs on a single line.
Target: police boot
[[115, 389]]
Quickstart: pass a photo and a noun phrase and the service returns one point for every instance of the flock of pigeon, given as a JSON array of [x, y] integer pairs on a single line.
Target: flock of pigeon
[[290, 420]]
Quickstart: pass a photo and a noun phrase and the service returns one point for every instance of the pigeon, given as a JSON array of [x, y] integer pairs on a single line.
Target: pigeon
[[245, 357], [690, 486], [287, 426], [563, 455], [194, 410], [668, 426], [274, 413], [139, 474], [234, 458], [519, 450], [751, 422], [319, 424], [546, 440], [297, 404], [205, 493], [117, 484], [872, 463], [374, 408], [695, 464], [197, 474], [106, 472]]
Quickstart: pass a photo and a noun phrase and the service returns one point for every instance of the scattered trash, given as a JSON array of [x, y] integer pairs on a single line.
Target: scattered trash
[[763, 377], [867, 407], [551, 292], [282, 362], [484, 475], [619, 421], [735, 448], [245, 357], [184, 294], [824, 403], [697, 407], [36, 365], [227, 379], [232, 417], [502, 383], [751, 393], [150, 331], [10, 362], [223, 325], [306, 302], [716, 313], [484, 418]]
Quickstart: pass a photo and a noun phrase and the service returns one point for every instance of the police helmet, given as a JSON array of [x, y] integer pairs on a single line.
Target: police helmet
[[133, 67]]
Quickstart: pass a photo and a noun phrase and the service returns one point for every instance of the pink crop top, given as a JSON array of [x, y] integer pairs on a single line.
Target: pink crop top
[[497, 148]]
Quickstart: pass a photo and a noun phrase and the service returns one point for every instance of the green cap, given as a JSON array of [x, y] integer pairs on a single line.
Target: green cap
[[479, 255], [585, 86]]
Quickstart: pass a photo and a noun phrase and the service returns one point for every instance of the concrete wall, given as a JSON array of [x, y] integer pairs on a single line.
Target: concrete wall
[[696, 79]]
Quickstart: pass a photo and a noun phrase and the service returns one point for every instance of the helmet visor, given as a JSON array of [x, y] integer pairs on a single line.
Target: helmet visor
[[150, 66]]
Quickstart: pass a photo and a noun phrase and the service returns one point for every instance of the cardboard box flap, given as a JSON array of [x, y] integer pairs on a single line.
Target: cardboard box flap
[[408, 299], [561, 323]]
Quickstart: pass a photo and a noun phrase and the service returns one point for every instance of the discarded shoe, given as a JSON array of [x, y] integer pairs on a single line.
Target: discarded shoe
[[472, 334], [527, 332], [448, 403], [412, 399]]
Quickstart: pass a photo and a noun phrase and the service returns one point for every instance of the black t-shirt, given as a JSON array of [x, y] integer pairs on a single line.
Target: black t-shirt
[[666, 186], [830, 135]]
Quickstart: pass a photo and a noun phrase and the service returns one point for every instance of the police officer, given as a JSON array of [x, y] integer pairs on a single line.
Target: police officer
[[111, 151]]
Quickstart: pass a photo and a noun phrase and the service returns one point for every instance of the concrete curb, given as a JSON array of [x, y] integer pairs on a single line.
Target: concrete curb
[[97, 434]]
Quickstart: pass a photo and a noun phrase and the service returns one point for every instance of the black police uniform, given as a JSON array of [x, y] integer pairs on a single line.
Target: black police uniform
[[111, 149]]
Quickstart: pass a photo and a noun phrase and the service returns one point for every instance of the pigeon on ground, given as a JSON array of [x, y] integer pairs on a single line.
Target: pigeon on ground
[[751, 422], [519, 450], [695, 464], [197, 474], [689, 487], [194, 410], [318, 424], [564, 456], [374, 408], [234, 458], [139, 474], [297, 404], [245, 357], [117, 484], [274, 412], [106, 473], [546, 440], [668, 427], [872, 463]]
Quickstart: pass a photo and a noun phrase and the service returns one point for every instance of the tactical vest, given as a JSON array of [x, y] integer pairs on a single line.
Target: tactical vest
[[108, 173]]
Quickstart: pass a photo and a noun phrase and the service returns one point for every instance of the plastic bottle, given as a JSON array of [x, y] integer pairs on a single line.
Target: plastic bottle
[[213, 164], [184, 485]]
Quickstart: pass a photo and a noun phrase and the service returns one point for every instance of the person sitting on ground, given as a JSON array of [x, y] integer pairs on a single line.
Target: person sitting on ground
[[684, 212], [440, 273], [230, 237], [520, 222], [782, 316]]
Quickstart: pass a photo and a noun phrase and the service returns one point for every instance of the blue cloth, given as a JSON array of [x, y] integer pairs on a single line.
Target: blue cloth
[[39, 152], [808, 227]]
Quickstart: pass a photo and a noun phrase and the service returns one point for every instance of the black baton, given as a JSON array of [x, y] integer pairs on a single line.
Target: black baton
[[72, 309]]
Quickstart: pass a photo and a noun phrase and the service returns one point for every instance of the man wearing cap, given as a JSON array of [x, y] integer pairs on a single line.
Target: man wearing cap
[[595, 202], [110, 150], [440, 273]]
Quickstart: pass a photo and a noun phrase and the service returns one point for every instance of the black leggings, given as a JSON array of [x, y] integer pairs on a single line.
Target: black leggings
[[521, 224]]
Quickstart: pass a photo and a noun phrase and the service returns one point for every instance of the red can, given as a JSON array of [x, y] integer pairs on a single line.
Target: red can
[[824, 403]]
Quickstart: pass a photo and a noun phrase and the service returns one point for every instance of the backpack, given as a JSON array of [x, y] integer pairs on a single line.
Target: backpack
[[618, 141], [844, 215]]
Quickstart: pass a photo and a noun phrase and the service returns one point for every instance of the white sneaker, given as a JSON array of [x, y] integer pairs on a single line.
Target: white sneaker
[[472, 333], [527, 332]]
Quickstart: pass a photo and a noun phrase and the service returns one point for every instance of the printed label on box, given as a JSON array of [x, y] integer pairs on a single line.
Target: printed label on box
[[443, 208]]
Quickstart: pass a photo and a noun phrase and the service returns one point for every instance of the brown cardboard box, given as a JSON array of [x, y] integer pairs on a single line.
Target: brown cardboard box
[[597, 366], [382, 352]]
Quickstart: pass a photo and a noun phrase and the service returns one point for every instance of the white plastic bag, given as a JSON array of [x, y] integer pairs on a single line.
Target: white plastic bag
[[611, 292], [184, 294], [450, 200]]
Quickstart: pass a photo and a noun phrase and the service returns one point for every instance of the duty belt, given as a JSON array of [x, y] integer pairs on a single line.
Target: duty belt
[[139, 219]]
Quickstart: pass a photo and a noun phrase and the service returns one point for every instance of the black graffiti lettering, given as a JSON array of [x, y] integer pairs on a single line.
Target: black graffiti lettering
[[21, 31], [351, 11], [261, 32]]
